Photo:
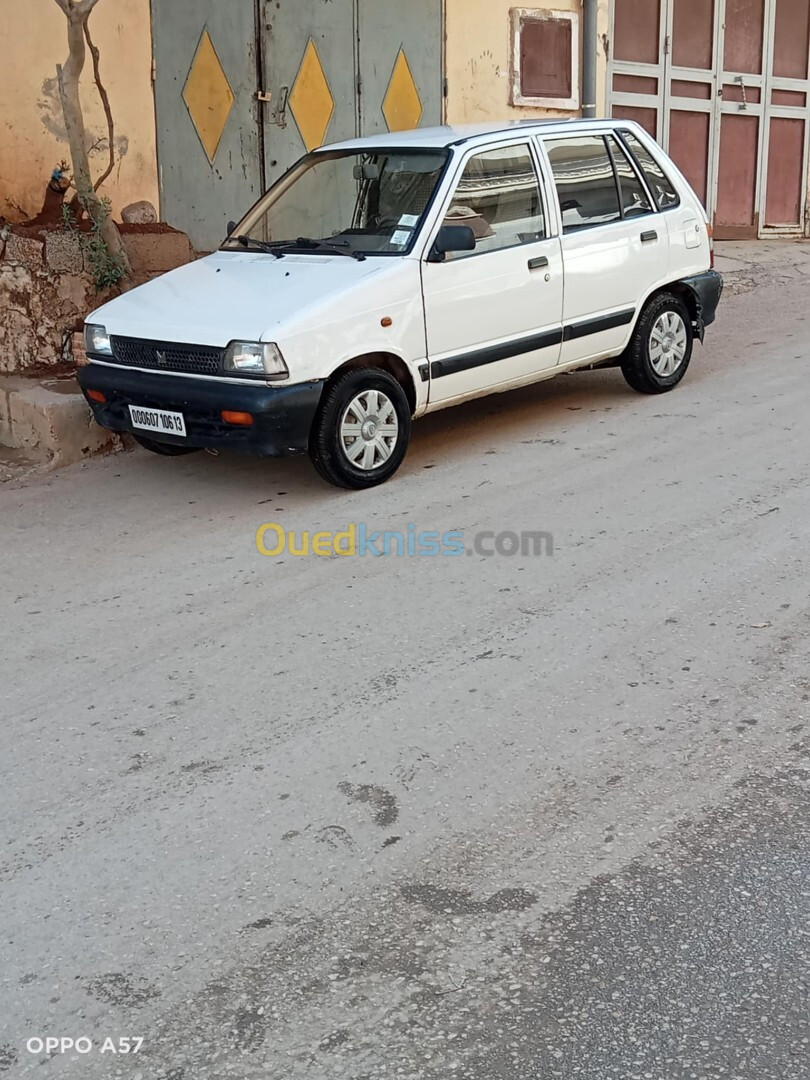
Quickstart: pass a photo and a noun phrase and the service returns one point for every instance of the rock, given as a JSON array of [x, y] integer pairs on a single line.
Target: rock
[[63, 252], [24, 251], [156, 253], [139, 213]]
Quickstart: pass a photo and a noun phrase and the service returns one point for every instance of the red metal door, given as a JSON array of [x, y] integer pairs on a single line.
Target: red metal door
[[724, 85], [741, 92], [786, 130], [691, 90]]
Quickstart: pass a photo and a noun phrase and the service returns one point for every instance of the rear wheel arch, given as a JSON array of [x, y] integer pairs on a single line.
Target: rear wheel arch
[[685, 294]]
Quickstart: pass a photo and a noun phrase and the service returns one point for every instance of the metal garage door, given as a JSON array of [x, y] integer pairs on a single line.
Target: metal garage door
[[723, 85]]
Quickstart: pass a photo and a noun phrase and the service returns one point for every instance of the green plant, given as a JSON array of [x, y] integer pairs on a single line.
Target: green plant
[[107, 267]]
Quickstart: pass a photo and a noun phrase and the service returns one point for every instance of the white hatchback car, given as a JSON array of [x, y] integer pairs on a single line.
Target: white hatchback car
[[392, 276]]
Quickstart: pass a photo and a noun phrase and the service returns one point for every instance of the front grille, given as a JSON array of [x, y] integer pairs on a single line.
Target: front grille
[[168, 356]]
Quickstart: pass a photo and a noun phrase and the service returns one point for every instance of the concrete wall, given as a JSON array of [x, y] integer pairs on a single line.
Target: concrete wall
[[479, 47], [32, 42]]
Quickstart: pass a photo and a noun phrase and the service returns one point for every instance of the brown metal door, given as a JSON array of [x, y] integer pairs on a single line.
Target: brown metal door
[[637, 66], [691, 89], [663, 76], [741, 92], [786, 124]]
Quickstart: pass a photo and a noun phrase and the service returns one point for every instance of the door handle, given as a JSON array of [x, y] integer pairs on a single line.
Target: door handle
[[538, 263], [649, 237], [279, 114]]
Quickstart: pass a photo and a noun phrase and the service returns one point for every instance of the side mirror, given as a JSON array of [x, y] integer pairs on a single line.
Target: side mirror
[[231, 227], [452, 238]]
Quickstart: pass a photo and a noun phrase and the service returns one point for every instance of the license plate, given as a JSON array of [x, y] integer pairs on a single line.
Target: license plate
[[158, 420]]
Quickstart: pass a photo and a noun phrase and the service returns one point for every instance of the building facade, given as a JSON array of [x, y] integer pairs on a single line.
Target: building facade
[[213, 100]]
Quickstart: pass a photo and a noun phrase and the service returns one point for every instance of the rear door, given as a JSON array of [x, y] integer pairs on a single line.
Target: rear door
[[494, 314], [614, 242]]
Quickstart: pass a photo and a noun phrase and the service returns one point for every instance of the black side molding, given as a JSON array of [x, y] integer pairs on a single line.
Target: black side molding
[[453, 364], [596, 326]]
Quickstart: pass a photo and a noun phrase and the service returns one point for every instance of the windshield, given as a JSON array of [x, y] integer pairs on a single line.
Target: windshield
[[365, 203]]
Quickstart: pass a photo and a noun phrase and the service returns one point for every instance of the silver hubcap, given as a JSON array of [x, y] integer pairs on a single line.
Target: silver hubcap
[[369, 430], [668, 342]]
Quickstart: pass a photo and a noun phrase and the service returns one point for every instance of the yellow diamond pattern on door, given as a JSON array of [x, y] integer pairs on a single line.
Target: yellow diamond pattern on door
[[311, 101], [402, 107], [208, 96]]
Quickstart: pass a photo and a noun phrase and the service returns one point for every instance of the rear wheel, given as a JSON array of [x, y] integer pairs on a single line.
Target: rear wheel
[[361, 434], [661, 347], [163, 448]]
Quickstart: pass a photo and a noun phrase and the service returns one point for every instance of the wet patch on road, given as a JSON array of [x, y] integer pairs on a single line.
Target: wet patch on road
[[382, 802], [121, 988], [8, 1057], [335, 837], [460, 902]]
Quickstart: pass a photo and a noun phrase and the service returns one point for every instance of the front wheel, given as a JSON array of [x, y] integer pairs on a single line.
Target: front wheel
[[661, 347], [163, 448], [362, 430]]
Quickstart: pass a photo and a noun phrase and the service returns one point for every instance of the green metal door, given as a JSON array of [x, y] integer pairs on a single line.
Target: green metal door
[[310, 86], [346, 68], [208, 137], [400, 46]]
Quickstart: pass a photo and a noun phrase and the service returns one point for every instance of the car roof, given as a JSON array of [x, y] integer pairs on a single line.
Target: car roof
[[456, 135]]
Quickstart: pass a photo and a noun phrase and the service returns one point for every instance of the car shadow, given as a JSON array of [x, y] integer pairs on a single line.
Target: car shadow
[[542, 410]]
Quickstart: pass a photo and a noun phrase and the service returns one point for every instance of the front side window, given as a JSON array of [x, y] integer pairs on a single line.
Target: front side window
[[498, 196], [635, 200], [357, 203], [585, 180], [661, 186]]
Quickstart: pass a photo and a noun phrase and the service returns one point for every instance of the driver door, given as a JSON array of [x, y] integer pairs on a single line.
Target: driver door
[[494, 315]]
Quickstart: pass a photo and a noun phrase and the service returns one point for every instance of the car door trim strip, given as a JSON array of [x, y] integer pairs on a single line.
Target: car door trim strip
[[453, 365]]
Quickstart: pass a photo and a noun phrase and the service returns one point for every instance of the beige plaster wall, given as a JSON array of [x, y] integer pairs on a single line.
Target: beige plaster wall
[[32, 42], [478, 51]]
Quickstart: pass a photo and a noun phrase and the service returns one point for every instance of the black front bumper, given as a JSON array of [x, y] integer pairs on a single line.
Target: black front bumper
[[708, 288], [282, 415]]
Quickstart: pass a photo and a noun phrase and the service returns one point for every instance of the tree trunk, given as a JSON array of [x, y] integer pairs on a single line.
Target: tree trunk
[[69, 76]]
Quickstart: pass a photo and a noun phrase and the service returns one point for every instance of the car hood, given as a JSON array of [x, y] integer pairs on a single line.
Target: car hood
[[233, 296]]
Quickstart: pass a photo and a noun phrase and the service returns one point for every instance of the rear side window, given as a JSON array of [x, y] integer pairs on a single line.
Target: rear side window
[[661, 186], [586, 183], [635, 200]]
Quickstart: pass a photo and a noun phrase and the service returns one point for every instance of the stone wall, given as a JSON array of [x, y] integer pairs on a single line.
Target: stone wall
[[46, 291]]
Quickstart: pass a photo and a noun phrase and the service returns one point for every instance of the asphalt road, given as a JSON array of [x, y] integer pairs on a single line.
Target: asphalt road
[[491, 818]]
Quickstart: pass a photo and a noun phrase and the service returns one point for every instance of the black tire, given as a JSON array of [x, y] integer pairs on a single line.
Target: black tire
[[327, 447], [165, 449], [638, 366]]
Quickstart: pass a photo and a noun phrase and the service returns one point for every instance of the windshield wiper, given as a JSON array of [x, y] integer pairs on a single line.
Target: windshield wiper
[[310, 244], [262, 245]]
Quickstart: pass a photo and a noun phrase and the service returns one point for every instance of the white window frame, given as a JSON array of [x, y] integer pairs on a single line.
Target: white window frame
[[521, 15]]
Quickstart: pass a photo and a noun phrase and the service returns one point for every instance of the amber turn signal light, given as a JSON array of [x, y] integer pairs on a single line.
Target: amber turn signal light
[[96, 395], [243, 419]]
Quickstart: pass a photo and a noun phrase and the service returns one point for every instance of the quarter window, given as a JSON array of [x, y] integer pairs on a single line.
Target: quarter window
[[635, 200], [585, 180], [661, 186], [499, 198]]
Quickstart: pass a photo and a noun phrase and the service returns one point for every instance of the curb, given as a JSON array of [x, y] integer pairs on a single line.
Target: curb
[[50, 422]]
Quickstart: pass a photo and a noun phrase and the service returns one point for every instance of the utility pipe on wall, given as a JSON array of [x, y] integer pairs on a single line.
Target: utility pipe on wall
[[590, 11]]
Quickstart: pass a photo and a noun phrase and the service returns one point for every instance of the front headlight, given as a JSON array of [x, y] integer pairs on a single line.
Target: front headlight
[[97, 340], [255, 358]]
